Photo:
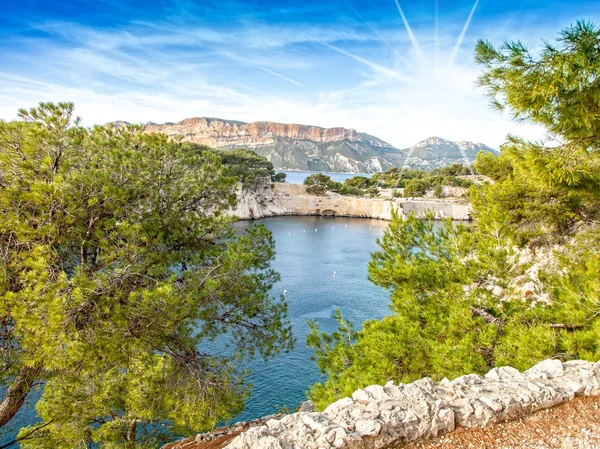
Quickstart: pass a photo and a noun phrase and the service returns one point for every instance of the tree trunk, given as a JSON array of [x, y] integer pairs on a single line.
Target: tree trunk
[[131, 434], [17, 392]]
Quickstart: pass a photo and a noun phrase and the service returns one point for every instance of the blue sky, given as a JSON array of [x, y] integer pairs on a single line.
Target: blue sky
[[401, 70]]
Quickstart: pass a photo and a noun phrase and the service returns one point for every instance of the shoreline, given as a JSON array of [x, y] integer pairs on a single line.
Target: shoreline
[[283, 199], [366, 217]]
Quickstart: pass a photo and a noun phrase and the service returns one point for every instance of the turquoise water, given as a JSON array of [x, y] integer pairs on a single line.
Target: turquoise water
[[306, 261], [298, 177]]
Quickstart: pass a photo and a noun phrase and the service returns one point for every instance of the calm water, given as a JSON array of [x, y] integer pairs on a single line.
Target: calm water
[[306, 261], [298, 177]]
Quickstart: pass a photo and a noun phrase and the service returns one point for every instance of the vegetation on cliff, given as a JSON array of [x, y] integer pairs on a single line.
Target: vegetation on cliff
[[455, 308], [248, 167], [418, 182], [413, 182], [122, 282]]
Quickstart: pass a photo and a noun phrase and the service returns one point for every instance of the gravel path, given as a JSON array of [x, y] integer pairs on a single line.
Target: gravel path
[[574, 425]]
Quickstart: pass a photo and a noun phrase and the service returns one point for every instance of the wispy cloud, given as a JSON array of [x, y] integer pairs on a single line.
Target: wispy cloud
[[216, 58], [282, 77], [376, 67]]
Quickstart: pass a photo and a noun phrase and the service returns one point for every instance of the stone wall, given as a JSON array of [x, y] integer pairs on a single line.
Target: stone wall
[[293, 199], [388, 416]]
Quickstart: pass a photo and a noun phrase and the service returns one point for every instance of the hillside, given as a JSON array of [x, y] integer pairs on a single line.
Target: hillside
[[303, 147], [436, 152], [295, 147]]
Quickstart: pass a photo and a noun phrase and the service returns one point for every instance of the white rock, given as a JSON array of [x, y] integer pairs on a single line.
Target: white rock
[[275, 425], [314, 422], [491, 404], [443, 422], [370, 428], [546, 369], [392, 415], [339, 404]]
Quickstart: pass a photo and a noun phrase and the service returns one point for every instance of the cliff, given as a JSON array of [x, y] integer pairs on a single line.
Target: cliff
[[304, 147], [293, 199], [289, 146]]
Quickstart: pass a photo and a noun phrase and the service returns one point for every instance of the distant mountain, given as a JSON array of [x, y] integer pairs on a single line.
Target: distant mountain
[[303, 147], [294, 147], [436, 152]]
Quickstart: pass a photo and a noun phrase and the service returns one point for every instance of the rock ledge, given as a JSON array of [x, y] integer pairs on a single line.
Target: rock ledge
[[387, 416]]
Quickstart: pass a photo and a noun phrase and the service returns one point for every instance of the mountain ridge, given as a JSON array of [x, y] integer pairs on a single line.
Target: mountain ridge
[[313, 148]]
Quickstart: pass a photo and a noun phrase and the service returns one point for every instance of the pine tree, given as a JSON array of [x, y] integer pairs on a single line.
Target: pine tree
[[123, 282], [445, 318]]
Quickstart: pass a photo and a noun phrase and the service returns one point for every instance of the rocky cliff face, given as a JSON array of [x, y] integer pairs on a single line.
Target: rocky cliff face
[[311, 148], [290, 146], [293, 199]]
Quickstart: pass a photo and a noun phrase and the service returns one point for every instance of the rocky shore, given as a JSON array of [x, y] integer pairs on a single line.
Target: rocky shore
[[292, 199]]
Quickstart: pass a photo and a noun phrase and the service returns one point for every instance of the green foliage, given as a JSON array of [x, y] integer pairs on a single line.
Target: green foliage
[[416, 187], [445, 320], [359, 182], [399, 177], [418, 182], [344, 189], [547, 189], [251, 169], [123, 281], [317, 183], [373, 191], [557, 89], [495, 168], [278, 177], [431, 331]]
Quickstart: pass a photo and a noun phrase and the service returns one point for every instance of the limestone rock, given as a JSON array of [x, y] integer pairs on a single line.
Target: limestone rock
[[292, 199], [387, 416], [307, 407]]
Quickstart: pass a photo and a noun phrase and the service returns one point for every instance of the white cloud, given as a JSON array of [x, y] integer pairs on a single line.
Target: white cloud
[[168, 71]]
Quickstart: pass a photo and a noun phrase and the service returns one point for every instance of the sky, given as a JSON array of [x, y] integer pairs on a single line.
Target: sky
[[397, 69]]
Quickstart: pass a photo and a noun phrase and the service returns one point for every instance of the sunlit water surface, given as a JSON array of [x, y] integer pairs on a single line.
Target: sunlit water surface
[[308, 252]]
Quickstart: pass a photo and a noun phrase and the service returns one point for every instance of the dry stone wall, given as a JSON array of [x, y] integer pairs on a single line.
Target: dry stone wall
[[293, 199], [390, 415]]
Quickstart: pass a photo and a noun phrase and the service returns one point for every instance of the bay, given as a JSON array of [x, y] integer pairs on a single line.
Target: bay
[[298, 177], [309, 250]]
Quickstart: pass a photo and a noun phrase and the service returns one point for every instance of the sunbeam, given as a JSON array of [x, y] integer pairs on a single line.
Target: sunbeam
[[462, 33], [464, 154], [411, 35], [374, 66], [436, 31]]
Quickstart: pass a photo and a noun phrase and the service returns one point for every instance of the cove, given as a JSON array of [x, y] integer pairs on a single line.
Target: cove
[[307, 260], [298, 177]]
